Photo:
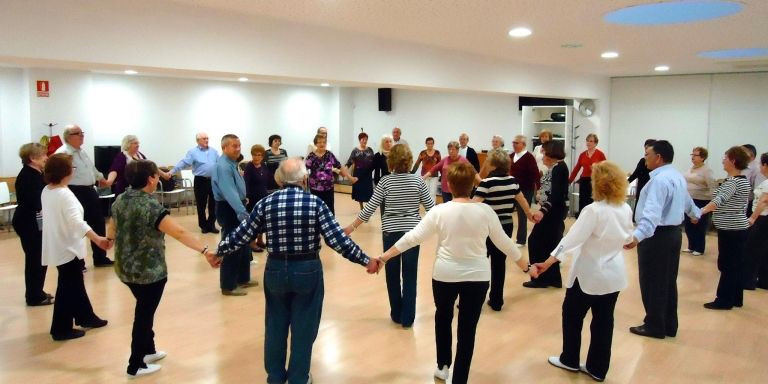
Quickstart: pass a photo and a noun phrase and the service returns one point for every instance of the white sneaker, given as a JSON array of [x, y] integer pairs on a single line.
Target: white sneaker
[[159, 355], [696, 253], [687, 250], [519, 245], [555, 360], [150, 369], [442, 374]]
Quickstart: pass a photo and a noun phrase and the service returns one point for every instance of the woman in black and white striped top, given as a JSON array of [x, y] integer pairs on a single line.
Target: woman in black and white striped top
[[402, 193], [500, 191], [730, 207], [272, 159]]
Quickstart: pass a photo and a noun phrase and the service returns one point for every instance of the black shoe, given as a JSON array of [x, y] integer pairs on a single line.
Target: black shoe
[[103, 263], [641, 330], [93, 323], [533, 284], [493, 306], [716, 306], [205, 230], [556, 285], [213, 230], [46, 301], [71, 334]]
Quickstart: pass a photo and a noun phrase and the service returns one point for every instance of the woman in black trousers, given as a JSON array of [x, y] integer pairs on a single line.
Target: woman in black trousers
[[598, 272], [29, 186], [730, 207], [550, 219]]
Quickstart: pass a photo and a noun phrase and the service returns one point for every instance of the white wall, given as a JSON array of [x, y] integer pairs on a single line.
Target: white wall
[[713, 111], [442, 115], [14, 119]]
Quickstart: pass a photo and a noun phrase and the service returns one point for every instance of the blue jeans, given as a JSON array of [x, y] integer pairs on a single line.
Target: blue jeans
[[236, 266], [294, 301], [402, 304]]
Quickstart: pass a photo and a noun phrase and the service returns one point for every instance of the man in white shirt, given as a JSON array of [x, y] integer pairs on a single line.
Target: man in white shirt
[[753, 174], [468, 152], [84, 177]]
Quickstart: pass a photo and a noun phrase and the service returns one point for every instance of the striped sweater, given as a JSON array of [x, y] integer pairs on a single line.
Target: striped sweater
[[731, 201], [499, 192], [402, 193]]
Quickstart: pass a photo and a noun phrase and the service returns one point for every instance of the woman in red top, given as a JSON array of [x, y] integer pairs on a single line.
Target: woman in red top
[[427, 159], [591, 156]]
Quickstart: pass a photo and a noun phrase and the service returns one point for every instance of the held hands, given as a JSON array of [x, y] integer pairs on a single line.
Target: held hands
[[103, 183], [693, 220], [348, 229], [535, 270], [212, 258], [751, 220], [374, 266], [530, 216], [104, 243], [537, 216], [632, 244]]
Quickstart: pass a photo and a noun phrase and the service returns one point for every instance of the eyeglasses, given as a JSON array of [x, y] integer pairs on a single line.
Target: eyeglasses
[[81, 133]]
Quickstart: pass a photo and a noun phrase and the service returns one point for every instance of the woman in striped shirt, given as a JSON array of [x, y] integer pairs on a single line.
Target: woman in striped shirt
[[402, 193], [500, 191], [730, 207], [272, 159]]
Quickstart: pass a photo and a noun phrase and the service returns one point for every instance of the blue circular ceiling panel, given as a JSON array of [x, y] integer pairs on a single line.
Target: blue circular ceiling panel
[[741, 53], [673, 12]]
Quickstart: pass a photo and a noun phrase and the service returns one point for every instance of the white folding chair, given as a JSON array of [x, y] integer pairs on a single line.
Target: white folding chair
[[188, 183], [5, 206], [177, 195]]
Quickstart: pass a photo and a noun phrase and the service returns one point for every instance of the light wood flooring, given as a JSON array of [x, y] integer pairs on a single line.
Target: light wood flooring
[[215, 339]]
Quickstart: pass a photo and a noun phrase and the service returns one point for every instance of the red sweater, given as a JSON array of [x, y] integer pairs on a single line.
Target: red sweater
[[525, 170], [585, 164]]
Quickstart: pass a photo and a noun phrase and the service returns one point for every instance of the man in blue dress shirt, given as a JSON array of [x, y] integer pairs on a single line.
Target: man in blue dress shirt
[[658, 237], [229, 193], [202, 159]]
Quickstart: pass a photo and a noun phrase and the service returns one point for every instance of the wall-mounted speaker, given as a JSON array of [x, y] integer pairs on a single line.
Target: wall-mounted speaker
[[385, 99]]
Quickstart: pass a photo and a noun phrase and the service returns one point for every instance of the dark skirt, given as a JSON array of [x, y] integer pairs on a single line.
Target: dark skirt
[[362, 190]]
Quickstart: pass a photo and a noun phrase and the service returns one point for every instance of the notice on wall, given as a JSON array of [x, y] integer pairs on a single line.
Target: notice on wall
[[43, 88]]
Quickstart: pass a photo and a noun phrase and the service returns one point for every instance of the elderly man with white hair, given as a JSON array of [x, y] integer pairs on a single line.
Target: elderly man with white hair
[[294, 221], [202, 160], [84, 178], [525, 169]]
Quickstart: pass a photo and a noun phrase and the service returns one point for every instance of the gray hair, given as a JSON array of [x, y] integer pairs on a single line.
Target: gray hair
[[292, 170], [127, 140], [501, 139], [68, 131], [522, 137], [383, 139], [498, 159], [454, 143], [227, 138]]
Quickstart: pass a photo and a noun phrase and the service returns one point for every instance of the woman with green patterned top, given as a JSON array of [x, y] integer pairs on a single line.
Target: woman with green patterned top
[[138, 227]]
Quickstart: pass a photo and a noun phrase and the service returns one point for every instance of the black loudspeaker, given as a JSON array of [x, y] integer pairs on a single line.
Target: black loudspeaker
[[385, 99], [103, 155]]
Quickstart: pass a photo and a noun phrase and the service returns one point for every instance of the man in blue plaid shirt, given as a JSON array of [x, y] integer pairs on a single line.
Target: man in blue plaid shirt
[[293, 220]]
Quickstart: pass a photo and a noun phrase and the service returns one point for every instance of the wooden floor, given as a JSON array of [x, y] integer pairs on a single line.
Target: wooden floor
[[215, 339]]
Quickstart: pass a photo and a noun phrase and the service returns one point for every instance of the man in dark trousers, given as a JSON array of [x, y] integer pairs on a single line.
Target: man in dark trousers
[[524, 168], [468, 152], [658, 238], [202, 159], [84, 178]]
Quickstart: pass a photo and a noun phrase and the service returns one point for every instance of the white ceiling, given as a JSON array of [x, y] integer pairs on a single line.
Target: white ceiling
[[481, 26]]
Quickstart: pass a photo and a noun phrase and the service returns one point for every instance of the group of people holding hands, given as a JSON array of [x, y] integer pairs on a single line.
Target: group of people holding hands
[[290, 200]]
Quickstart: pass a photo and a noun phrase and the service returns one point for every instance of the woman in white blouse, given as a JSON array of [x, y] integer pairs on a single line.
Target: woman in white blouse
[[64, 233], [757, 241], [461, 268], [538, 151], [598, 272]]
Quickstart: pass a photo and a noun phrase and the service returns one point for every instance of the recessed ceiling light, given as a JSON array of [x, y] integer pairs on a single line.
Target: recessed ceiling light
[[242, 79], [571, 45], [520, 32], [741, 53], [325, 85], [130, 72], [609, 55], [661, 68], [673, 12]]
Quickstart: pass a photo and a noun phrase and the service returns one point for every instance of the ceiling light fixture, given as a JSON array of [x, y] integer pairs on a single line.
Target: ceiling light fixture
[[571, 45], [609, 55], [325, 85], [661, 68], [242, 79], [520, 32], [130, 72]]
